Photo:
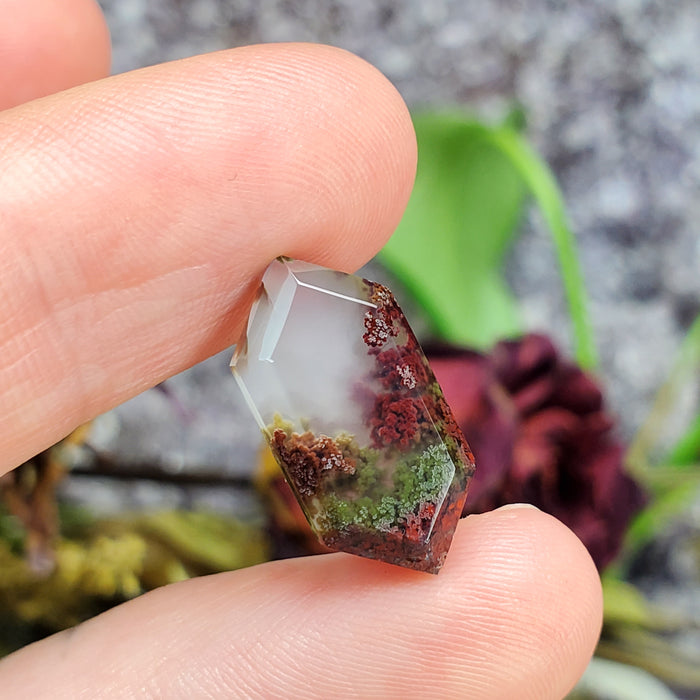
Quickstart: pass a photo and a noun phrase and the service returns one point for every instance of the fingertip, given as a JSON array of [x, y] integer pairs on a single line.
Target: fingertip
[[334, 145], [49, 46], [537, 587], [373, 161]]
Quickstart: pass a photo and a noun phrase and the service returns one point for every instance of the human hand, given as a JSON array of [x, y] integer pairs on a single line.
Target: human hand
[[136, 217]]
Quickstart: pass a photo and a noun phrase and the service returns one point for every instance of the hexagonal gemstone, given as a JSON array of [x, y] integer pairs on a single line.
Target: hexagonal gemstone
[[346, 399]]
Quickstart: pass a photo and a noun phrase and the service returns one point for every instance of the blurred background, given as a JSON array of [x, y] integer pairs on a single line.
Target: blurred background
[[594, 105]]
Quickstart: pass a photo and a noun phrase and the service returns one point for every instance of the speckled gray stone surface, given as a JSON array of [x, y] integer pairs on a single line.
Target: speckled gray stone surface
[[612, 95]]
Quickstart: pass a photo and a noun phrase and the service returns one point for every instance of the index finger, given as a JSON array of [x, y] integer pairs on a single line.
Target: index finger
[[50, 45], [137, 214]]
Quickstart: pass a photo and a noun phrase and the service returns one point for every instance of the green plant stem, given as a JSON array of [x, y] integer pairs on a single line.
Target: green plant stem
[[548, 196], [645, 448], [687, 449]]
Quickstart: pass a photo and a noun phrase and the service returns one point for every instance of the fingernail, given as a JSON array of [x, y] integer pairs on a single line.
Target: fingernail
[[518, 506]]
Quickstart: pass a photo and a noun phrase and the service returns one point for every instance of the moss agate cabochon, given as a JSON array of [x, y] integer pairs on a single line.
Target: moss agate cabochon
[[349, 405]]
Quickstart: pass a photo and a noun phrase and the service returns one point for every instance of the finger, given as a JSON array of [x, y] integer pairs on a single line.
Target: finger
[[515, 612], [50, 45], [139, 212]]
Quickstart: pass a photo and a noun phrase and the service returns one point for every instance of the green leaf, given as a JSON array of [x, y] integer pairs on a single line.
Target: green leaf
[[449, 248], [687, 450], [663, 455], [665, 509], [467, 201], [624, 604]]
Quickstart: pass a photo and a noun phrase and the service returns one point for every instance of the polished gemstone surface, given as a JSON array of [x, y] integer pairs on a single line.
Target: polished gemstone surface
[[343, 393]]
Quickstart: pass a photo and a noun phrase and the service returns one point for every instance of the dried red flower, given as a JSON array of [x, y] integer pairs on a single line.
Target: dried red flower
[[540, 434]]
